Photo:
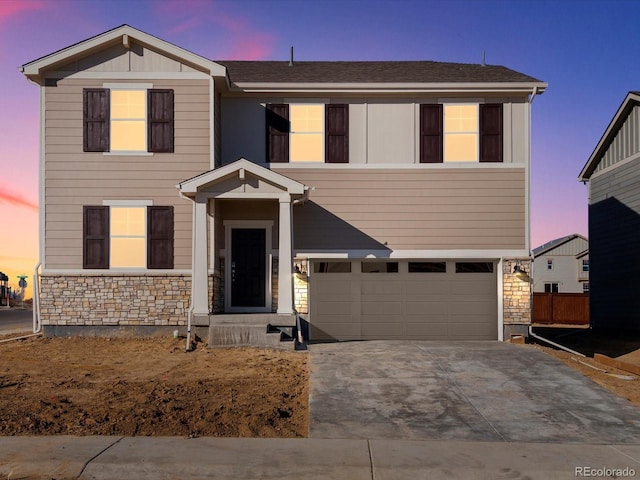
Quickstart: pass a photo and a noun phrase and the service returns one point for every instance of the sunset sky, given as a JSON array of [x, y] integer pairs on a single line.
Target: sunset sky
[[586, 50]]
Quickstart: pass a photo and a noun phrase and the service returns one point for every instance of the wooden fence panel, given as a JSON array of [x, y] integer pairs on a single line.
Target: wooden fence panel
[[561, 308]]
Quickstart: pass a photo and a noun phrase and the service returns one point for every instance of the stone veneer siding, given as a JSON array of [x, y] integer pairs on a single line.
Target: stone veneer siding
[[517, 293], [114, 299]]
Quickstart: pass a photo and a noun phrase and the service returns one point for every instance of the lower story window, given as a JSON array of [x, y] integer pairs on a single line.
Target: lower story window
[[551, 287], [127, 237], [585, 287]]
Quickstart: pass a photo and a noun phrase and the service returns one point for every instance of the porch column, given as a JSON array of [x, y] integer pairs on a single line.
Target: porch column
[[285, 262], [200, 286]]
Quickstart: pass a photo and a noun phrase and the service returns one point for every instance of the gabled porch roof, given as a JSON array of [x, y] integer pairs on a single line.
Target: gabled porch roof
[[241, 178]]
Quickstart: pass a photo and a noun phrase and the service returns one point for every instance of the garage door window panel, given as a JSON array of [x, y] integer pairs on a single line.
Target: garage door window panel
[[332, 267], [427, 267], [474, 267], [379, 267]]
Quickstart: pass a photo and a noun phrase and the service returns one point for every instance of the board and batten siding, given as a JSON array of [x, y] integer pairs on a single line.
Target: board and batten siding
[[74, 178], [614, 230], [381, 131], [410, 209], [626, 142]]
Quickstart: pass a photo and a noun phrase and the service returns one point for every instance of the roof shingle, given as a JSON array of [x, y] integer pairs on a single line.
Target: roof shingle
[[369, 72]]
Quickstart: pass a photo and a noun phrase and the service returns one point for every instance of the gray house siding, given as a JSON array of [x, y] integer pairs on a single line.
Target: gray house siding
[[626, 142], [614, 237]]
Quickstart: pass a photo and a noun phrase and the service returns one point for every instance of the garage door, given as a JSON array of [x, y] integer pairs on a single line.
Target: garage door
[[410, 300]]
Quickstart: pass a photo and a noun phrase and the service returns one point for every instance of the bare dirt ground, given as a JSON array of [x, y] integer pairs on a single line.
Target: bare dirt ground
[[89, 386]]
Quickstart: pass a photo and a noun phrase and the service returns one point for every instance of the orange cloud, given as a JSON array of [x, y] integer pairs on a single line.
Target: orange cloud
[[11, 8], [252, 47], [16, 200]]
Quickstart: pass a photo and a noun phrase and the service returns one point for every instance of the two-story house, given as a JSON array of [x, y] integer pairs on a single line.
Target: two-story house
[[368, 200], [562, 265], [613, 176]]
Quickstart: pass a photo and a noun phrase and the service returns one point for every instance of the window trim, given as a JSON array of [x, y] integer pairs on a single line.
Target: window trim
[[147, 205]]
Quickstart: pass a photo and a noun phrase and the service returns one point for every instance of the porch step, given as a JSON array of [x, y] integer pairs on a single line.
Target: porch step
[[248, 335], [247, 319]]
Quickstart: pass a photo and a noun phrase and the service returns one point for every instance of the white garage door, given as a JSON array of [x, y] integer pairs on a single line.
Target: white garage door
[[412, 300]]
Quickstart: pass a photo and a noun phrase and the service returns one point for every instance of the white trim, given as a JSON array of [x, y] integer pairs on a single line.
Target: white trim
[[115, 272], [128, 153], [99, 42], [412, 254], [527, 174], [393, 166], [58, 75], [212, 129], [128, 86], [370, 87], [127, 203], [229, 225], [41, 190]]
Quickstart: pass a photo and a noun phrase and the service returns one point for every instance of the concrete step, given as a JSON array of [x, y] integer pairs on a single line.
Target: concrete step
[[252, 319], [243, 335]]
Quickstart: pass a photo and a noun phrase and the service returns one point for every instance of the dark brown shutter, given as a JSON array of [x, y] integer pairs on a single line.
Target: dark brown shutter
[[277, 133], [491, 132], [160, 130], [337, 133], [431, 133], [95, 251], [95, 118], [159, 237]]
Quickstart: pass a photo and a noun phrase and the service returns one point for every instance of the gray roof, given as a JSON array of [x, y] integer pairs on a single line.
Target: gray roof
[[554, 243], [369, 72]]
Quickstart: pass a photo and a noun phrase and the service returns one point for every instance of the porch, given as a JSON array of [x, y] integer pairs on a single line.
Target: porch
[[242, 289]]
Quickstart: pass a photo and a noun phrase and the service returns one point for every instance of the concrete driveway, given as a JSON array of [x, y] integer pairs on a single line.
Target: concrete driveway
[[487, 391]]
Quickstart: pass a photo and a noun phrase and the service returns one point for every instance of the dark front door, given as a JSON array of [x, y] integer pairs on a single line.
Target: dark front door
[[248, 267]]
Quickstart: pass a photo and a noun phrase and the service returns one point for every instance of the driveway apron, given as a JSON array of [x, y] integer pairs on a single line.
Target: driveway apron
[[487, 391]]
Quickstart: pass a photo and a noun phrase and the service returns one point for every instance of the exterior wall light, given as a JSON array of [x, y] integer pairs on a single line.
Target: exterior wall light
[[521, 274]]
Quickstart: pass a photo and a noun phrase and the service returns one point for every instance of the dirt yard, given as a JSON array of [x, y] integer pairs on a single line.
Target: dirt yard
[[88, 386]]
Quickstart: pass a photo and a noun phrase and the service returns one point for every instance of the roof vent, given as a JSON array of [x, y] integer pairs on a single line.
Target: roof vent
[[291, 57]]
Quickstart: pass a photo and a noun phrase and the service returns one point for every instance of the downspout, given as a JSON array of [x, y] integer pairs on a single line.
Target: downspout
[[37, 323], [193, 253]]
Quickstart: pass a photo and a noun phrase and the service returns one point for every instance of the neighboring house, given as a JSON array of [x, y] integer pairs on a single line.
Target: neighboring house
[[562, 265], [376, 200], [613, 174]]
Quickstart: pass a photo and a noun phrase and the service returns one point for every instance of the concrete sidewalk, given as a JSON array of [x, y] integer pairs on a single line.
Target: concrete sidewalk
[[142, 458]]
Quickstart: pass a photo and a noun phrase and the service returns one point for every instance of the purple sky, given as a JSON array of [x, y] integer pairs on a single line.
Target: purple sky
[[586, 51]]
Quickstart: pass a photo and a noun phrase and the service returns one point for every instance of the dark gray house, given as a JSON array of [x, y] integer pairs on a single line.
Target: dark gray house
[[613, 173]]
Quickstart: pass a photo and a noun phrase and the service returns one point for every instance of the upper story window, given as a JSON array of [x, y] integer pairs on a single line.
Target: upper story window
[[549, 263], [585, 265], [128, 120], [461, 133], [307, 133]]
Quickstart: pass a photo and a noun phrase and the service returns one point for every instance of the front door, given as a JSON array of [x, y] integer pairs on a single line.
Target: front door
[[248, 267]]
